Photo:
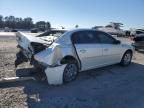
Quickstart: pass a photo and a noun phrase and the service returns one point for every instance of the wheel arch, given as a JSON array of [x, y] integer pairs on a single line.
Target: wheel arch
[[129, 50], [69, 59]]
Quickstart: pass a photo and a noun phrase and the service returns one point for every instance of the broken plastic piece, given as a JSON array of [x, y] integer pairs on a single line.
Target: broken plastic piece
[[55, 74], [20, 58], [14, 79]]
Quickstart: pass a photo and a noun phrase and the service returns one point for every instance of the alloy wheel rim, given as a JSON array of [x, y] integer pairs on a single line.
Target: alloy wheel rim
[[70, 72], [127, 58]]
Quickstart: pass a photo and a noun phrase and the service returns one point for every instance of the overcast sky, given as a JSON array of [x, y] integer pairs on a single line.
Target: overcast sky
[[85, 13]]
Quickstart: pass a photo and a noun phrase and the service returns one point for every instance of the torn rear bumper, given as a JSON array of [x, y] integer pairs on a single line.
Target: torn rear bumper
[[25, 56], [38, 64], [55, 74]]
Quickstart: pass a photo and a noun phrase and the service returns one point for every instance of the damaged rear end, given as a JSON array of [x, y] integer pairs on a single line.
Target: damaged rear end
[[32, 45], [28, 47]]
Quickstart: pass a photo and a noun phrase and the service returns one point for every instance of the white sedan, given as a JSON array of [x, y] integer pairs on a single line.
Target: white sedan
[[78, 50]]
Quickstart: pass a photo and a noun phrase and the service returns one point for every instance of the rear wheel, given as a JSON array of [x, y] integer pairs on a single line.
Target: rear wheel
[[126, 59], [70, 72]]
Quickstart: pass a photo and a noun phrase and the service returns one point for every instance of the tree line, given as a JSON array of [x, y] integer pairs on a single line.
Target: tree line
[[22, 23]]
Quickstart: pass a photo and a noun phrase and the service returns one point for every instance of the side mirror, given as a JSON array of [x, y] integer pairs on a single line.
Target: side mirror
[[117, 42]]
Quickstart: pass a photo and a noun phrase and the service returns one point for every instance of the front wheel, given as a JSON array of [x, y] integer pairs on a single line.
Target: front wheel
[[126, 59], [70, 72]]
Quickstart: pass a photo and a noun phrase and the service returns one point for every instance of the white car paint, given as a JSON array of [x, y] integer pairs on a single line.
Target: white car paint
[[112, 53], [89, 55], [55, 74]]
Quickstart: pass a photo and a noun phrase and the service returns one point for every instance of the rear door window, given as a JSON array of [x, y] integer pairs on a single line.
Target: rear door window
[[85, 37], [105, 38]]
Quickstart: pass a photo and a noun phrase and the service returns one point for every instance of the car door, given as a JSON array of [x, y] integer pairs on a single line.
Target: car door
[[88, 48], [111, 51]]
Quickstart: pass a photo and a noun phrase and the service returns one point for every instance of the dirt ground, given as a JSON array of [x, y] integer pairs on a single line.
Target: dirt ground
[[109, 87]]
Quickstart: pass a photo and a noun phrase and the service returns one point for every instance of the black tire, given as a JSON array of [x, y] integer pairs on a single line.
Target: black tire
[[126, 59], [70, 72]]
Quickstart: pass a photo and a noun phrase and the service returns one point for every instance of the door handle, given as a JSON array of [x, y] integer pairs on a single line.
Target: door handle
[[82, 50]]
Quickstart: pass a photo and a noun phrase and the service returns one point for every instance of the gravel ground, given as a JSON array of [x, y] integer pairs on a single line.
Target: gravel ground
[[109, 87]]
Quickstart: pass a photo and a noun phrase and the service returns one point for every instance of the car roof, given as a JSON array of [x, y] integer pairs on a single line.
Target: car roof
[[82, 29], [59, 30], [86, 29]]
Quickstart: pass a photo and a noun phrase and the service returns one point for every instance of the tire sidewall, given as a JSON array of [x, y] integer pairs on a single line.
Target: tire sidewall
[[65, 71], [123, 62]]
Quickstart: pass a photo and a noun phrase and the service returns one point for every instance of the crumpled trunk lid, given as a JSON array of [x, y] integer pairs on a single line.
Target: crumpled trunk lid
[[24, 40], [29, 45]]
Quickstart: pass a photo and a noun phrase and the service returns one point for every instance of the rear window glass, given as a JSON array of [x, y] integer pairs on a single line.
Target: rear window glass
[[85, 37]]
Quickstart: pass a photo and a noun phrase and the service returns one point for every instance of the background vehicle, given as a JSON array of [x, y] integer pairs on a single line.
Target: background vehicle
[[136, 32], [113, 29], [14, 30], [7, 29], [139, 42], [35, 30]]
